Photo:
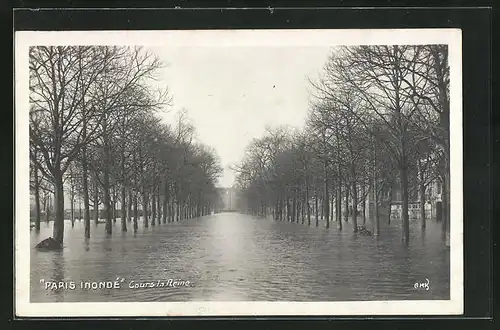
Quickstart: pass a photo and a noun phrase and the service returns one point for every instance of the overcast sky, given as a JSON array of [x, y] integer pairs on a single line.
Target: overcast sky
[[232, 93]]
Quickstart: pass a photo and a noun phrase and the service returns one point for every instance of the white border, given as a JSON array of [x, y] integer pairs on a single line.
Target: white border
[[221, 38]]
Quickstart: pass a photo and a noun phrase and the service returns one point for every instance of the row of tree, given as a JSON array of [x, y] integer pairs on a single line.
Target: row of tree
[[379, 119], [95, 131]]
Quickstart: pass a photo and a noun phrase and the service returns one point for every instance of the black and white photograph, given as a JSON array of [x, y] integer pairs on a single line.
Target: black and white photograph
[[238, 172]]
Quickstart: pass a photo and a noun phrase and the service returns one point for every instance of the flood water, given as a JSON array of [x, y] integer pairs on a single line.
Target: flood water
[[235, 257]]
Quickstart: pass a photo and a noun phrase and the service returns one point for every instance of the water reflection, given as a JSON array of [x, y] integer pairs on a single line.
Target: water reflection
[[86, 244], [58, 273], [238, 257]]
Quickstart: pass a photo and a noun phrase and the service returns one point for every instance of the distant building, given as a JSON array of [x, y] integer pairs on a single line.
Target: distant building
[[433, 193], [228, 199]]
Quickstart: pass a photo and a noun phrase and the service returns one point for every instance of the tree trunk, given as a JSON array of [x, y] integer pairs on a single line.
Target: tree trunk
[[376, 226], [363, 195], [85, 183], [123, 216], [444, 123], [404, 194], [136, 212], [338, 208], [332, 207], [129, 206], [288, 217], [347, 195], [281, 209], [178, 211], [316, 209], [96, 199], [107, 197], [153, 208], [158, 204], [340, 182], [308, 206], [326, 197], [296, 210], [422, 194], [445, 205], [165, 201], [58, 230], [199, 208], [354, 206], [72, 198], [47, 209], [322, 209], [172, 211], [37, 199], [72, 206], [145, 208], [277, 209], [115, 198], [391, 197], [284, 210], [422, 207], [303, 208]]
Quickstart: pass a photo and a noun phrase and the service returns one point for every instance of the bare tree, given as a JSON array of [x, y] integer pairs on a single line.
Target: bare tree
[[59, 78], [376, 73]]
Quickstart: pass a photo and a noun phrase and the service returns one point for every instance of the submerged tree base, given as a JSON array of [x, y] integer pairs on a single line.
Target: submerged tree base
[[363, 231], [49, 244]]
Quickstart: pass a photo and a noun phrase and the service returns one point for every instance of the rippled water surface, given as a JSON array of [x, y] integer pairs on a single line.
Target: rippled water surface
[[229, 256]]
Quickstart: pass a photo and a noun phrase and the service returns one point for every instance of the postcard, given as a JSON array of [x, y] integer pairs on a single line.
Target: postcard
[[238, 172]]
